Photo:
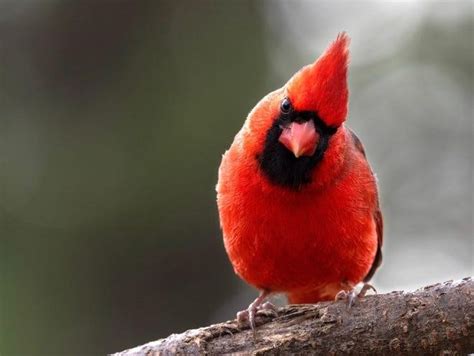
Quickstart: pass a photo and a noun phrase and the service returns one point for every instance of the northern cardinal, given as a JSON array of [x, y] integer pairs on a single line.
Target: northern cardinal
[[297, 199]]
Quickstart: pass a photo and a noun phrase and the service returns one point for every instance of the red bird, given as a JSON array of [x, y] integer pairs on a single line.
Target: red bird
[[297, 199]]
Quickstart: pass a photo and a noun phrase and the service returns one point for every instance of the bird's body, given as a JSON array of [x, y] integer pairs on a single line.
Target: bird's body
[[310, 225]]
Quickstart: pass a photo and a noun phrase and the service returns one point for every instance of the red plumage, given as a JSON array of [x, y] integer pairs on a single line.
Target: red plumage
[[308, 240]]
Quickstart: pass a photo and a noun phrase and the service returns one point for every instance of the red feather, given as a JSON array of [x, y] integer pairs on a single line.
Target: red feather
[[311, 242], [322, 86]]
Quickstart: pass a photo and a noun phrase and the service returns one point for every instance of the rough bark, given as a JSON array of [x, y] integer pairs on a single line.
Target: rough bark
[[437, 319]]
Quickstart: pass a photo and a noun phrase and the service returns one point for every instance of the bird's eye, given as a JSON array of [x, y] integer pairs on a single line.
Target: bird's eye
[[285, 106]]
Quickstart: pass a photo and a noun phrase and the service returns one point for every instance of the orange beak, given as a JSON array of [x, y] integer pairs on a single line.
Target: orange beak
[[300, 138]]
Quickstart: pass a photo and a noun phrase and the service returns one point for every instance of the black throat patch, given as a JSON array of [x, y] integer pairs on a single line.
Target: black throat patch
[[279, 164]]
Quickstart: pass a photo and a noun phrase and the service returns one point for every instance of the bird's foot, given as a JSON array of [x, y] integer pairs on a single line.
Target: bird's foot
[[256, 307], [248, 314], [352, 296]]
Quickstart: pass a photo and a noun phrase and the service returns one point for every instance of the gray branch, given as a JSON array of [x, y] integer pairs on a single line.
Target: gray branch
[[437, 319]]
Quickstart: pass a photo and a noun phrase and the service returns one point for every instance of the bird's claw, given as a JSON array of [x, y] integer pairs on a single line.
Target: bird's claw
[[365, 288], [248, 315], [352, 297], [268, 308]]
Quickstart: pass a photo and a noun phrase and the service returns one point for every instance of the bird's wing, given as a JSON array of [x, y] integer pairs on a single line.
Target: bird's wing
[[378, 256], [377, 219], [357, 142]]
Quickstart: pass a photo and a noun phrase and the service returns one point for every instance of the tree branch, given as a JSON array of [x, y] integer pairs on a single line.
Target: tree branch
[[434, 319]]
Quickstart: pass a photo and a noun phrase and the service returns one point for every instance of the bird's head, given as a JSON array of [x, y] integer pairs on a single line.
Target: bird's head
[[291, 128]]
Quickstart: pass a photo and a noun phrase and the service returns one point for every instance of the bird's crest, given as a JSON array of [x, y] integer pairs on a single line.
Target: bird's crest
[[322, 86]]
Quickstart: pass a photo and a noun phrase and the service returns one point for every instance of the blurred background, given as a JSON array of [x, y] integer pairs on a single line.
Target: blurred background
[[113, 119]]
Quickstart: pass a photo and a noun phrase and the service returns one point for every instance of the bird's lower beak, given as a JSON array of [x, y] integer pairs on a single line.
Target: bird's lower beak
[[300, 138]]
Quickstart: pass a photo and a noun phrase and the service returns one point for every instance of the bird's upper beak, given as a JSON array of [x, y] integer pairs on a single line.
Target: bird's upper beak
[[300, 138]]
